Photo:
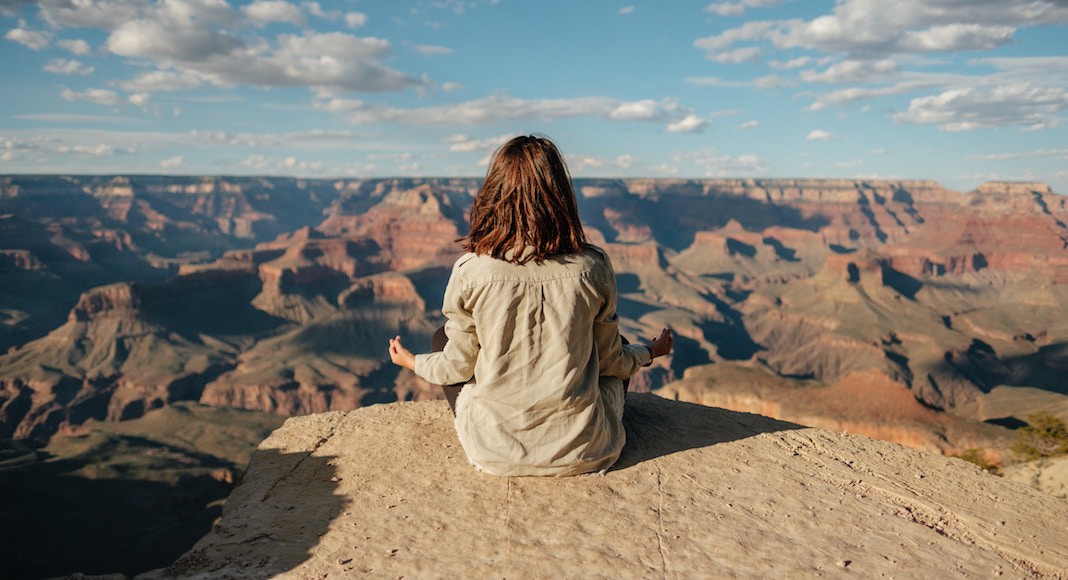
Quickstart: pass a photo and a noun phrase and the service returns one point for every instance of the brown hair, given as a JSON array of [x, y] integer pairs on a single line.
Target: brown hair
[[525, 202]]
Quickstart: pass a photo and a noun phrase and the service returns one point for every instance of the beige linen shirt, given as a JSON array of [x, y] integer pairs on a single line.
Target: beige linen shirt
[[538, 350]]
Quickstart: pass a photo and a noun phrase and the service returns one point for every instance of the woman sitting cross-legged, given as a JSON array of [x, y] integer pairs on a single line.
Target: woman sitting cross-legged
[[533, 345]]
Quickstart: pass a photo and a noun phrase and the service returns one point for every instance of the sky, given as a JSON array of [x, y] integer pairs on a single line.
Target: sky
[[959, 91]]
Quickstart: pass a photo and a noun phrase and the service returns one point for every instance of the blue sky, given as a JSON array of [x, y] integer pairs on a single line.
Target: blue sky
[[953, 90]]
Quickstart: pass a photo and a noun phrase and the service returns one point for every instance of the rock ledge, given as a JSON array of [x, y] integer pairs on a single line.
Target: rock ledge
[[386, 491]]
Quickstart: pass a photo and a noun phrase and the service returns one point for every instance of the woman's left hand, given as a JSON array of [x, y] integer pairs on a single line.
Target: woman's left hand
[[401, 356]]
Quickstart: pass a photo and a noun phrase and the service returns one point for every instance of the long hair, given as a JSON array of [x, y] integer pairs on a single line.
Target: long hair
[[526, 201]]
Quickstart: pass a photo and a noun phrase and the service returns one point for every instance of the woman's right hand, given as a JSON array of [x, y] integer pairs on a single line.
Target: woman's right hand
[[401, 356], [662, 344]]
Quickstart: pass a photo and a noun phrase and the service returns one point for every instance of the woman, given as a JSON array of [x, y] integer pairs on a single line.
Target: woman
[[532, 329]]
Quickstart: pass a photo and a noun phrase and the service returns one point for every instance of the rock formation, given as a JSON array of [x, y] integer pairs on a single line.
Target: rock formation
[[387, 492], [285, 291]]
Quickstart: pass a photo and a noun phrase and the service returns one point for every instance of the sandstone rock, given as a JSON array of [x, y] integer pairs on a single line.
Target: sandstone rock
[[386, 492]]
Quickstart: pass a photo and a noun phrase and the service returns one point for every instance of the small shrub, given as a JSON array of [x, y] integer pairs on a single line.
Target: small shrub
[[1045, 435], [979, 457]]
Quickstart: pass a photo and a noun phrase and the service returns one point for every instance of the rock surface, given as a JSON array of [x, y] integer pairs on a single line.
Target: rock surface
[[386, 491]]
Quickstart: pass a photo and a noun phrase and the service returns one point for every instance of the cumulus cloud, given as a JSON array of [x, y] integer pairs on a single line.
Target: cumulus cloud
[[263, 12], [907, 26], [205, 39], [818, 135], [63, 66], [332, 60], [31, 39], [852, 94], [688, 124], [451, 87], [316, 10], [140, 99], [102, 14], [1021, 105], [75, 46], [355, 19], [461, 143], [851, 71], [98, 96], [157, 81]]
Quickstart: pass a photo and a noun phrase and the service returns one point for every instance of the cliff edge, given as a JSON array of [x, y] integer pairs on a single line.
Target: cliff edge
[[386, 491]]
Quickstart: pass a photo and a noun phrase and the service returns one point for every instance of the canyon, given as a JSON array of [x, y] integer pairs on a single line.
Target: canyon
[[892, 308], [896, 309]]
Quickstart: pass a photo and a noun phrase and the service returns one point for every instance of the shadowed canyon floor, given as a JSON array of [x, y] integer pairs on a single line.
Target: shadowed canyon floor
[[387, 492]]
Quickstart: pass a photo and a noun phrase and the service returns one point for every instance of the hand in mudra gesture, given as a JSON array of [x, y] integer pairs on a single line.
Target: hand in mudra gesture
[[662, 344]]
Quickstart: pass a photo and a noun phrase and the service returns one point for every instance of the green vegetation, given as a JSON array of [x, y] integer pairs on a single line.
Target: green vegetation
[[1045, 435], [979, 457]]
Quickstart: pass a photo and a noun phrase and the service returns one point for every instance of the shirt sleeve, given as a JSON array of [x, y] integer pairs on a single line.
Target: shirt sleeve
[[456, 363], [615, 358]]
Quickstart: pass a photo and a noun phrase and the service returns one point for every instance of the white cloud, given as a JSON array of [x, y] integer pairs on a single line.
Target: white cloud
[[75, 46], [98, 96], [852, 94], [1033, 154], [818, 135], [207, 40], [643, 110], [263, 12], [749, 125], [102, 14], [431, 50], [31, 39], [355, 19], [717, 82], [330, 60], [579, 164], [735, 56], [1021, 105], [463, 144], [851, 71], [156, 81], [451, 87], [737, 8], [769, 82], [688, 124], [906, 26], [790, 64], [715, 165], [172, 162], [316, 10], [956, 36], [68, 67], [100, 150], [139, 99], [497, 108], [284, 165], [626, 10], [879, 151]]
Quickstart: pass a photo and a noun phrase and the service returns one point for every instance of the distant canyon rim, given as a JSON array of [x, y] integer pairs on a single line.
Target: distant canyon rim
[[892, 308]]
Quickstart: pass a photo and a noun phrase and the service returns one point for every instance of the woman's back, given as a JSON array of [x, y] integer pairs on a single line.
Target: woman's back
[[545, 347]]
